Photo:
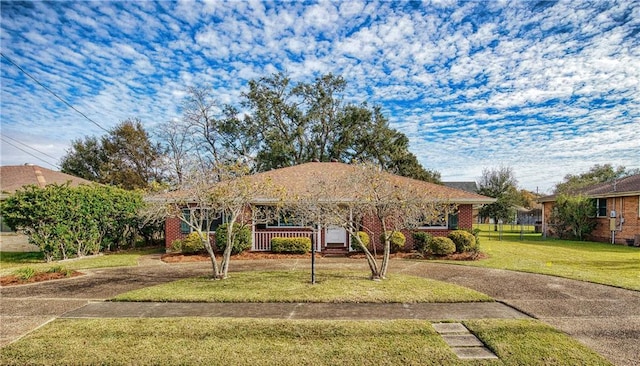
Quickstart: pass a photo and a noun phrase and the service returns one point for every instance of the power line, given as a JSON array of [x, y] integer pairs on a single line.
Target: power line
[[31, 147], [27, 152], [52, 92]]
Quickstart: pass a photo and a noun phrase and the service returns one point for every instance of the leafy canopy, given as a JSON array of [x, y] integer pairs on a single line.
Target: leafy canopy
[[596, 174], [125, 157]]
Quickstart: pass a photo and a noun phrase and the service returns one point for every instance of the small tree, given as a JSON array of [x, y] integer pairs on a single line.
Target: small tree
[[206, 195], [572, 216], [500, 184], [368, 194]]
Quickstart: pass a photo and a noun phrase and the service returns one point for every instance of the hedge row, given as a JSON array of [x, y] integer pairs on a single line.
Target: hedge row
[[291, 245]]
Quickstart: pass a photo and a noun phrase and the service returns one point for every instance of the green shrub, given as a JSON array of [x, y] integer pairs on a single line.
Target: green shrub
[[464, 241], [25, 273], [176, 245], [291, 245], [421, 241], [364, 237], [476, 234], [475, 250], [396, 240], [192, 244], [440, 245], [241, 240]]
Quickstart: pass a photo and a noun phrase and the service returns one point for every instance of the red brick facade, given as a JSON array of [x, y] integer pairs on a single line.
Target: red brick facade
[[626, 209], [465, 221]]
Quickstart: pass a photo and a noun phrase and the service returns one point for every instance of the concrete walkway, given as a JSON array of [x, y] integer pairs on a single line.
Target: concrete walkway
[[604, 318], [342, 311]]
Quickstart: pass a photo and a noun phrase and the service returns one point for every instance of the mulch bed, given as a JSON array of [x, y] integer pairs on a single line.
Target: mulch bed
[[13, 280], [186, 258]]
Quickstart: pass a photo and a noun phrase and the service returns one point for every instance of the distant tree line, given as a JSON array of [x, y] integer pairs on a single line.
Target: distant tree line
[[285, 124]]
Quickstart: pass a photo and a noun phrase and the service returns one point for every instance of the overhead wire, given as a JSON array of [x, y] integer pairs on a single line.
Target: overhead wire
[[31, 147], [52, 92], [27, 152]]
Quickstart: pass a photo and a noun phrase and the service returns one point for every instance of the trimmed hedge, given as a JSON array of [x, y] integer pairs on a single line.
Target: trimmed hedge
[[364, 237], [440, 245], [291, 245], [421, 241], [397, 240], [464, 241], [241, 240]]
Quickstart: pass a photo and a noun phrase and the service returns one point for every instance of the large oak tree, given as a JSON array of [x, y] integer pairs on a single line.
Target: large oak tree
[[125, 157]]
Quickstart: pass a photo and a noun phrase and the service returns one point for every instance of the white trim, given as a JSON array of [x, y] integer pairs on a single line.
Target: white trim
[[605, 208]]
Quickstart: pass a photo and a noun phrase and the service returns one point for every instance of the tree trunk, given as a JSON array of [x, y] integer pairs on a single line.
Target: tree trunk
[[385, 259], [212, 256], [226, 256], [371, 259]]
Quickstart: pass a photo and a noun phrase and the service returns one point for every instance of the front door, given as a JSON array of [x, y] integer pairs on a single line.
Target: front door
[[335, 237]]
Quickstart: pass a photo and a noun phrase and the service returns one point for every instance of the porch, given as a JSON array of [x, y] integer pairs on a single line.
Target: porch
[[326, 240]]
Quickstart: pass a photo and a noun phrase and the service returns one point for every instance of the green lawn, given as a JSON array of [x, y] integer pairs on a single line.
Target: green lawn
[[294, 286], [220, 341], [10, 261], [614, 265]]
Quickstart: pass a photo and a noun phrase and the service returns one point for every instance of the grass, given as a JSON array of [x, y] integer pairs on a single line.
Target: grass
[[219, 341], [10, 261], [294, 286], [602, 263], [531, 342]]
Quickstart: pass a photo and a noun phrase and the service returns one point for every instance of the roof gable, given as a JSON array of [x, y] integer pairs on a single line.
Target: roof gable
[[627, 186], [14, 177], [465, 186]]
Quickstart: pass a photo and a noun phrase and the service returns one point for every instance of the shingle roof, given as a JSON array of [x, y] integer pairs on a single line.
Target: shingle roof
[[14, 177], [465, 186], [628, 186], [297, 180]]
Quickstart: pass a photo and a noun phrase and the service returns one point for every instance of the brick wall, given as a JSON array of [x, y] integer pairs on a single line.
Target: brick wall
[[465, 221], [374, 228], [172, 231], [626, 207]]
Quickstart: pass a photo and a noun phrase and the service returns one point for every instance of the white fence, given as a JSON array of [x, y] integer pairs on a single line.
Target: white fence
[[262, 239]]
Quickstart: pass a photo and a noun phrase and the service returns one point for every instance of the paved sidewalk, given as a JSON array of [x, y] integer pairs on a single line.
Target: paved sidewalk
[[333, 311]]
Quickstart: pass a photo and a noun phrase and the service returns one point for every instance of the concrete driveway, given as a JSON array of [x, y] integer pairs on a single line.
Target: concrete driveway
[[604, 318]]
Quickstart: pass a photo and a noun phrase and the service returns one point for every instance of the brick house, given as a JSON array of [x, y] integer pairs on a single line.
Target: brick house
[[297, 179], [617, 211]]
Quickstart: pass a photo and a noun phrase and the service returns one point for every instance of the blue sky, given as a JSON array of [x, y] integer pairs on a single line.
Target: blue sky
[[547, 88]]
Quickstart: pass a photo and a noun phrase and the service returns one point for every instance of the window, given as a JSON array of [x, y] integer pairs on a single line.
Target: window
[[601, 207], [211, 219], [286, 219], [184, 227], [452, 221], [439, 222]]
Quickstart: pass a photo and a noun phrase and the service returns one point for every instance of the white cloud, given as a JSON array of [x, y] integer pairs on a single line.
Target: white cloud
[[549, 91]]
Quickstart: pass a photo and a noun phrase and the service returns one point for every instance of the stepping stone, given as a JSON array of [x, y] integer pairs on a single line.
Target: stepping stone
[[462, 340], [474, 353], [449, 328], [464, 344]]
